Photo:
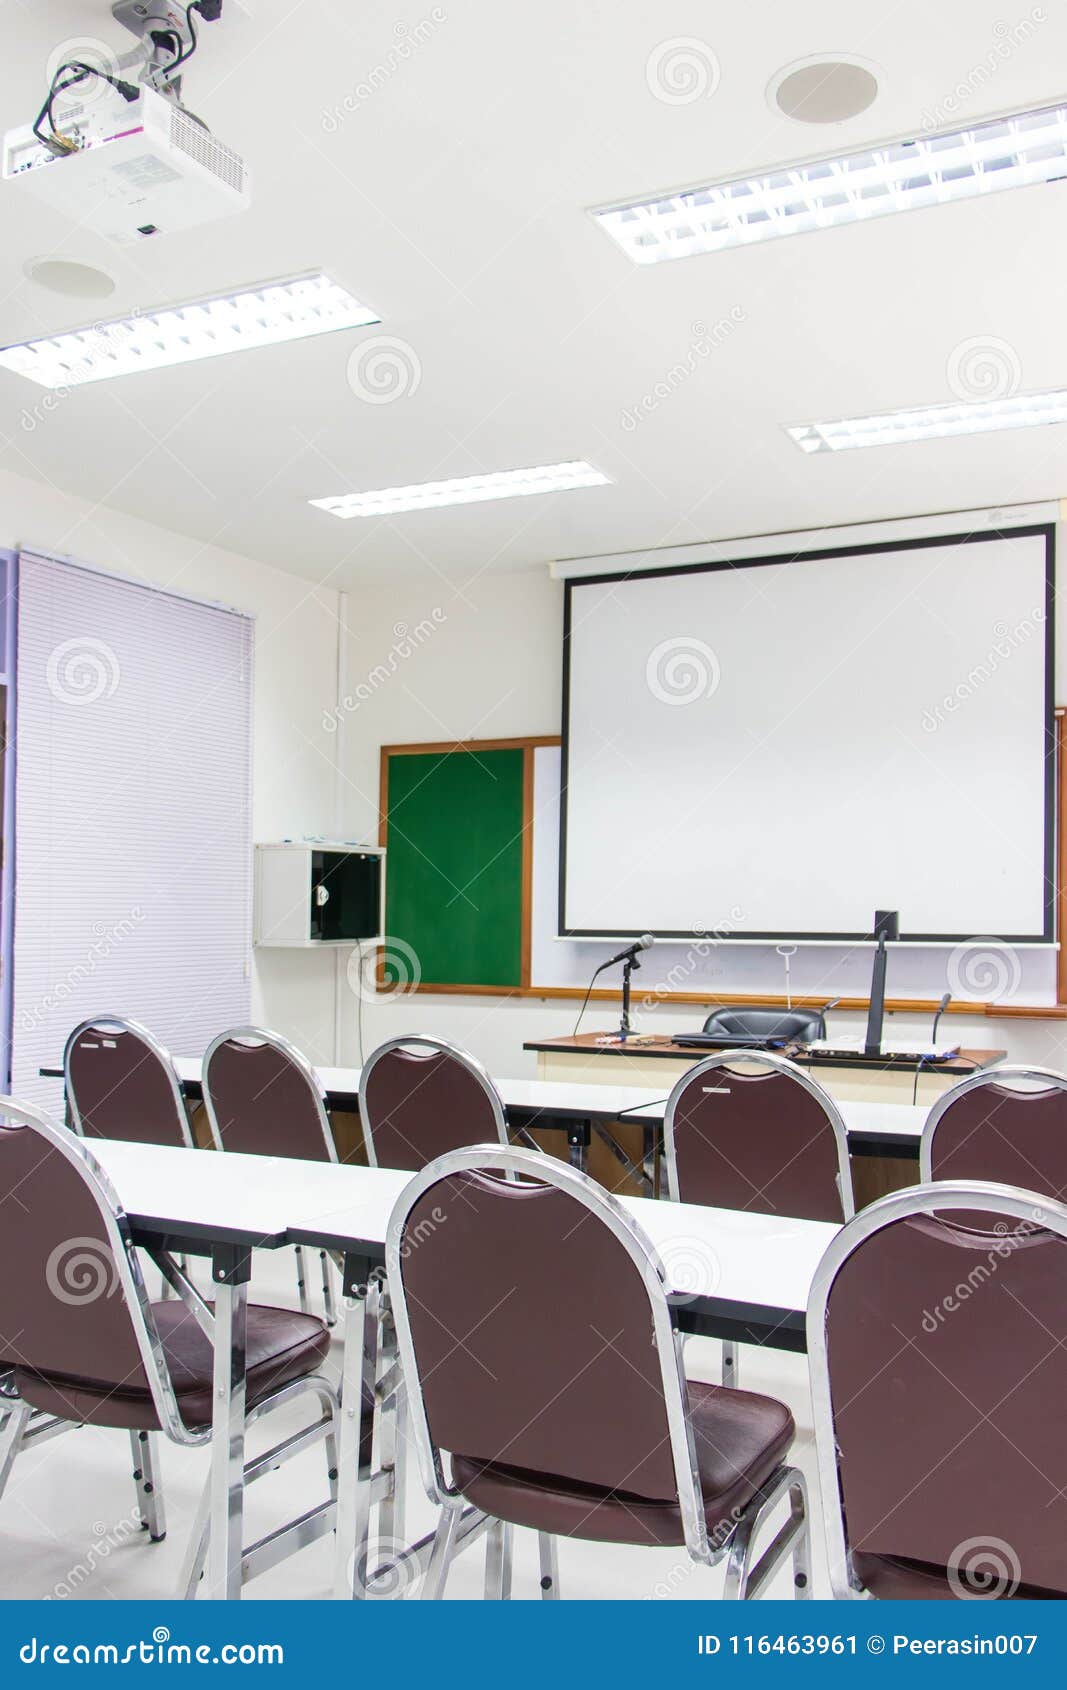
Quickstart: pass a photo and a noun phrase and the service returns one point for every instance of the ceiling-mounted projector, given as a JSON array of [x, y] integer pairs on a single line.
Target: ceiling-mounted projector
[[136, 170], [128, 159]]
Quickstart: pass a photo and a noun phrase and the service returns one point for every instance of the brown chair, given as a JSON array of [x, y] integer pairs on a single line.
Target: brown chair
[[752, 1130], [536, 1338], [263, 1098], [1008, 1124], [420, 1097], [937, 1338], [89, 1348], [121, 1083]]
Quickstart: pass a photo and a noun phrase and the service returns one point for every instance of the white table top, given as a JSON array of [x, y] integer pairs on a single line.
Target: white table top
[[729, 1257], [557, 1096]]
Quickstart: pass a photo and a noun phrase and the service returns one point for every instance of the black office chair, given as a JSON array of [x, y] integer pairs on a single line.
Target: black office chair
[[797, 1026]]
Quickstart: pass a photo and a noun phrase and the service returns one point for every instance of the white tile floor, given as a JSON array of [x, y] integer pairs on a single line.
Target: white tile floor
[[68, 1528]]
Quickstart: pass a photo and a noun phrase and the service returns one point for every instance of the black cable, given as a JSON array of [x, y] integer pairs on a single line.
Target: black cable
[[191, 49], [127, 89], [585, 1004]]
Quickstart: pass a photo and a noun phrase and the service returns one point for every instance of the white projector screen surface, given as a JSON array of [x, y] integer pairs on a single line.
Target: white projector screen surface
[[776, 749]]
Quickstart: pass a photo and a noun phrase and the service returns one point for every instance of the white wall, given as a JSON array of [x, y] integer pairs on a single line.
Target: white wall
[[488, 664], [296, 635]]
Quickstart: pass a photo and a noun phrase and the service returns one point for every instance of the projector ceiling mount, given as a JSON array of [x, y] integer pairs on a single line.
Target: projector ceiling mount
[[167, 32]]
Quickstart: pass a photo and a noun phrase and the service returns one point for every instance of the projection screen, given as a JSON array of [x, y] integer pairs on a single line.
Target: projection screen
[[777, 747]]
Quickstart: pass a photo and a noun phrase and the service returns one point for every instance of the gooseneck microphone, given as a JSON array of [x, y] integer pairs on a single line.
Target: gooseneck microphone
[[941, 1008]]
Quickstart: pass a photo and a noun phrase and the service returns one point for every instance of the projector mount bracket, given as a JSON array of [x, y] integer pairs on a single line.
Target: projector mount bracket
[[167, 35]]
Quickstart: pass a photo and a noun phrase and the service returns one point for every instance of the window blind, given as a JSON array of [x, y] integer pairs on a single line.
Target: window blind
[[133, 832]]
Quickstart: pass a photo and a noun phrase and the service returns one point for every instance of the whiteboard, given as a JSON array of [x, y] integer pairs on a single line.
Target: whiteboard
[[982, 969], [776, 748]]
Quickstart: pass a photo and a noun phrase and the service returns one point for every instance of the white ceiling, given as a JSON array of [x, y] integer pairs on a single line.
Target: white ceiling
[[453, 198]]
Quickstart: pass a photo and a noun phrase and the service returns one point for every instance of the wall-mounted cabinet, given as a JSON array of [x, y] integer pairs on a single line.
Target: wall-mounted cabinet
[[319, 892]]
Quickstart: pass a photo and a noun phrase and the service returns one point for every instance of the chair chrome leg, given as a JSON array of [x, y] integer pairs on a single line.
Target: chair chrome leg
[[731, 1370], [546, 1549], [196, 1552], [359, 1368], [498, 1562], [301, 1286], [798, 1504], [146, 1478], [11, 1439], [224, 1578], [329, 1308], [441, 1555], [745, 1580]]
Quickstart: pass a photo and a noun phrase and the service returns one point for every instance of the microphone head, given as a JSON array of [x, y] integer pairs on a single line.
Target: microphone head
[[945, 1001], [645, 942]]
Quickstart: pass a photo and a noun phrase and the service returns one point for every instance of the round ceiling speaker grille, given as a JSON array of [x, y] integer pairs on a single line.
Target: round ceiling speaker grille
[[824, 91], [77, 281]]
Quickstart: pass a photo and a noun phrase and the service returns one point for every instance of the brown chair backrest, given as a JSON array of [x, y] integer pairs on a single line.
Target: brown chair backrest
[[771, 1141], [420, 1097], [988, 1127], [508, 1363], [939, 1371], [63, 1267], [121, 1083], [264, 1099]]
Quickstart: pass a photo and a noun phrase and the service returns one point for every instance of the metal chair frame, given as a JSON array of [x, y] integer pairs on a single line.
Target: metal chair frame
[[119, 1023], [1048, 1078], [19, 1431], [446, 1047], [743, 1579], [317, 1091], [938, 1198], [731, 1370]]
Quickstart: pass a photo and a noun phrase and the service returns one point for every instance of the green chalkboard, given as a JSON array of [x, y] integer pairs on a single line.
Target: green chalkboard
[[453, 830]]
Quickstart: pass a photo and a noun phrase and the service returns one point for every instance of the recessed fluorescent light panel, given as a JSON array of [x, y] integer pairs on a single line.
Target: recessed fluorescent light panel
[[935, 422], [465, 490], [149, 340], [1013, 152]]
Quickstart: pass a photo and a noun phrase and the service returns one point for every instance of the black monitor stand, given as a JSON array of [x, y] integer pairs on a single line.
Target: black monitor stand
[[886, 926]]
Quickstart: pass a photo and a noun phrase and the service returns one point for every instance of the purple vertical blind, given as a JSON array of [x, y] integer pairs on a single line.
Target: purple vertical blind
[[133, 828]]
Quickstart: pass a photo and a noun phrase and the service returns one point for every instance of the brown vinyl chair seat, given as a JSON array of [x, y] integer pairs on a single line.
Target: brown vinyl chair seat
[[282, 1346], [894, 1579], [740, 1440]]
